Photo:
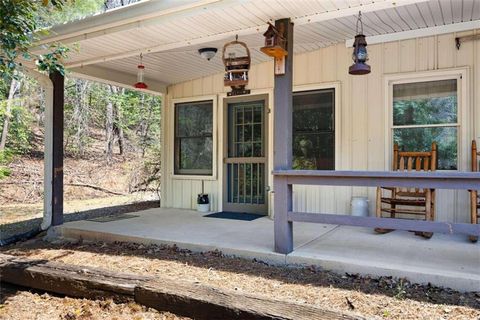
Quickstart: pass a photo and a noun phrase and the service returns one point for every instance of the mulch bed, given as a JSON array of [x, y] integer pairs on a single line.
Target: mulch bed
[[17, 303], [383, 297]]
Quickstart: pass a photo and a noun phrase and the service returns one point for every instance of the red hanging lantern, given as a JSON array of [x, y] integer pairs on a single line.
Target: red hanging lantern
[[140, 76]]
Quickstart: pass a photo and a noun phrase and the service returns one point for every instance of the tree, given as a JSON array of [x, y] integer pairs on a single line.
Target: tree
[[18, 27], [78, 127], [14, 87]]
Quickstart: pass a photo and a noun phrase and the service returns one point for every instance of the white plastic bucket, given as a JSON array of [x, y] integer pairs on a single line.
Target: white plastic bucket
[[203, 207], [359, 206]]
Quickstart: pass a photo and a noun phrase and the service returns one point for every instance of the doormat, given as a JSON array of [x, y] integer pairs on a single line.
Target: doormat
[[113, 218], [234, 216]]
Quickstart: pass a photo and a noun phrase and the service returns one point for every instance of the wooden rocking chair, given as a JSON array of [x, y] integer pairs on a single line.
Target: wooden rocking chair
[[401, 200], [474, 196]]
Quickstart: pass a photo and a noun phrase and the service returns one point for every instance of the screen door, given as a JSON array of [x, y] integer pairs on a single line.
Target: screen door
[[246, 160]]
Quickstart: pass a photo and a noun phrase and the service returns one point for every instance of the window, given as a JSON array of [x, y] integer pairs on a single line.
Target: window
[[194, 138], [314, 130], [424, 112]]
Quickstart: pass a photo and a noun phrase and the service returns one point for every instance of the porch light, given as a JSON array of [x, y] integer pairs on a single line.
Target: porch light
[[140, 76], [207, 53], [360, 55]]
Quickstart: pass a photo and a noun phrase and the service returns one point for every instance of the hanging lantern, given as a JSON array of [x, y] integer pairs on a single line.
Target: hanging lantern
[[360, 55], [236, 69], [140, 76]]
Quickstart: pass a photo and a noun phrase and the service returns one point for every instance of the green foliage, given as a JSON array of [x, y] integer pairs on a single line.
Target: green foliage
[[70, 11], [428, 111], [400, 290], [51, 62], [19, 130], [5, 158], [18, 23]]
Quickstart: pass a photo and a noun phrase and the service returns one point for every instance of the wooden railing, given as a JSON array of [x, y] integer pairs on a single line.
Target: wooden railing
[[285, 216]]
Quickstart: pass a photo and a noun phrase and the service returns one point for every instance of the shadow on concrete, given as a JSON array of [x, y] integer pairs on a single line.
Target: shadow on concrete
[[22, 230]]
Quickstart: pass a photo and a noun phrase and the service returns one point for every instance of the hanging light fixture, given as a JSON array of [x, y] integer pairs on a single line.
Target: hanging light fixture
[[360, 55], [207, 53], [140, 75]]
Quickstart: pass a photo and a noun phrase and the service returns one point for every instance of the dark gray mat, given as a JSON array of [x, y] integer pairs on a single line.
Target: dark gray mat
[[234, 215]]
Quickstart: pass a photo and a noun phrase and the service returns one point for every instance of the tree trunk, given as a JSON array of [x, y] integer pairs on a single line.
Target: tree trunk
[[117, 124], [147, 128], [109, 129], [14, 86], [80, 116]]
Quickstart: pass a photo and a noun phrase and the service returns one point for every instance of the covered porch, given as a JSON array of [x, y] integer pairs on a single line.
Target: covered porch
[[405, 46], [444, 260]]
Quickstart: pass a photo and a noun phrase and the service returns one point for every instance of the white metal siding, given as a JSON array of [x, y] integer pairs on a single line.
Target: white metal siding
[[362, 115]]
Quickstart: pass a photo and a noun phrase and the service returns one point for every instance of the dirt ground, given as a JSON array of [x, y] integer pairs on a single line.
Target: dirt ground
[[372, 297], [18, 304], [18, 219], [81, 177], [12, 213]]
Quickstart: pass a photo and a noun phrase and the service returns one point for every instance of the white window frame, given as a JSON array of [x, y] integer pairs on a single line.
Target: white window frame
[[336, 85], [464, 120], [173, 105]]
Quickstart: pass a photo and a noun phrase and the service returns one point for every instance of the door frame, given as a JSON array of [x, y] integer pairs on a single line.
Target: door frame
[[264, 96]]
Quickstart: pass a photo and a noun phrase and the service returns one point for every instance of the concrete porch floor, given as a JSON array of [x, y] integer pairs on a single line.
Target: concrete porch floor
[[444, 260]]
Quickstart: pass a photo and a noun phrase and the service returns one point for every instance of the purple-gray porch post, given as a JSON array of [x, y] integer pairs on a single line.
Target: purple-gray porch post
[[58, 81], [282, 146]]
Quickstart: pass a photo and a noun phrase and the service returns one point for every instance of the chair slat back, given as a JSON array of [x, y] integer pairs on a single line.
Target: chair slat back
[[414, 161]]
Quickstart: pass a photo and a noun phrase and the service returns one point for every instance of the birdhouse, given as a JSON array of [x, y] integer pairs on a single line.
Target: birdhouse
[[275, 42], [236, 67]]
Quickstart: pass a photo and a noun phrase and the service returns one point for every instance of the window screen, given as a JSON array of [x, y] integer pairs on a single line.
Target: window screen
[[193, 138], [424, 112], [314, 130]]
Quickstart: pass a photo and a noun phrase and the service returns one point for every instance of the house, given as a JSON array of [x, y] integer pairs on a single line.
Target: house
[[234, 147]]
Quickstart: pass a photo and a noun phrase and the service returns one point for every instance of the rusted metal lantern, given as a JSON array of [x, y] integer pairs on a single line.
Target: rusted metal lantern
[[140, 76], [360, 55], [236, 68]]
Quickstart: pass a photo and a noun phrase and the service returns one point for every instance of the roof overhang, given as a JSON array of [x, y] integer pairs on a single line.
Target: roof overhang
[[168, 33]]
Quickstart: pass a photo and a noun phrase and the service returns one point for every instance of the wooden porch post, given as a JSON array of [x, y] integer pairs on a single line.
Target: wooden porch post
[[282, 146], [56, 201]]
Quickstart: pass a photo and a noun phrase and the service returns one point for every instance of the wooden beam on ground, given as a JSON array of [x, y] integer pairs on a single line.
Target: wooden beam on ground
[[282, 145], [182, 298], [202, 302], [58, 81], [70, 280]]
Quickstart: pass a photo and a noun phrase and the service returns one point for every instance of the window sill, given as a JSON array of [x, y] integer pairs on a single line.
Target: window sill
[[192, 177]]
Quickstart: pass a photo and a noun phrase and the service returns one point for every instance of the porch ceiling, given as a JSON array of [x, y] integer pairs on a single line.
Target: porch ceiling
[[170, 34]]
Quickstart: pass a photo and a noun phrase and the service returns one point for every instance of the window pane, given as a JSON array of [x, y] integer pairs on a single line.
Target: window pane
[[432, 102], [193, 138], [313, 130], [420, 139], [313, 111], [314, 151], [194, 119], [196, 154]]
